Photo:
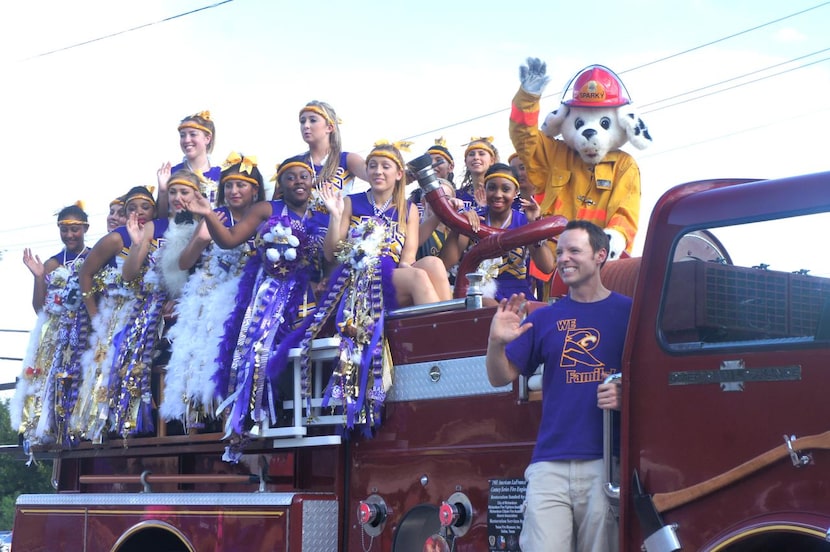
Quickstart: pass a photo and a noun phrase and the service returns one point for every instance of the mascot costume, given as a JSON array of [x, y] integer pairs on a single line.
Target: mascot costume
[[583, 174]]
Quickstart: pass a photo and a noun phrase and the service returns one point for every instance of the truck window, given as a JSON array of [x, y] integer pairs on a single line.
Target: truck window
[[763, 283]]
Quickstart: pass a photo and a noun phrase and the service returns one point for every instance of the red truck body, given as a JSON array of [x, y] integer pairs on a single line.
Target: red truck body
[[722, 362]]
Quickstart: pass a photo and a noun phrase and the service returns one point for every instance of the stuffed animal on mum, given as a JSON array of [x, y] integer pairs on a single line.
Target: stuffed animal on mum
[[575, 158]]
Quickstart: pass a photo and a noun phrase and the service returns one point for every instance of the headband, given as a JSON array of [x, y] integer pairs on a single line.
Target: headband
[[69, 222], [285, 166], [321, 112], [513, 156], [482, 143], [509, 177], [400, 145], [141, 195], [117, 201], [184, 182], [239, 176], [440, 148], [246, 163], [190, 123]]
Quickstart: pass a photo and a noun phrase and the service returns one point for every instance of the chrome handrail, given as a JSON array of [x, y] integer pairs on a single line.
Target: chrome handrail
[[610, 487]]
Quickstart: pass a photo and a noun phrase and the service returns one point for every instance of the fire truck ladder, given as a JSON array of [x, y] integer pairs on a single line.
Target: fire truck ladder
[[322, 352]]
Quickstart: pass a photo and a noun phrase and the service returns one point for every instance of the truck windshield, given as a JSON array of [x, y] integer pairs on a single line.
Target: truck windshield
[[758, 283]]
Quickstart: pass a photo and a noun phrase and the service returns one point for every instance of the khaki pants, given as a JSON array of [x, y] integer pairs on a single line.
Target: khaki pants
[[566, 509]]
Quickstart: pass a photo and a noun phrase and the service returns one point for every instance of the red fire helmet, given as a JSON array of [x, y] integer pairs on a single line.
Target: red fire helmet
[[596, 86]]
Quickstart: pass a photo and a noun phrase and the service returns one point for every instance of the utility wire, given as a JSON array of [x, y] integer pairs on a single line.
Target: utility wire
[[125, 31], [745, 75], [658, 107], [736, 85], [745, 31], [503, 110], [647, 64]]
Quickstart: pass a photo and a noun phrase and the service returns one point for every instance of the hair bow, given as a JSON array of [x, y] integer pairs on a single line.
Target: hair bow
[[79, 204], [400, 145], [441, 142], [488, 139], [204, 115], [246, 163]]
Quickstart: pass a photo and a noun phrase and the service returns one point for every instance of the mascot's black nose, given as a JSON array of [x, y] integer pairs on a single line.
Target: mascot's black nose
[[589, 133]]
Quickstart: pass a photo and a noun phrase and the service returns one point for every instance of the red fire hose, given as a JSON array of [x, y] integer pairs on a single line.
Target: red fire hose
[[492, 242]]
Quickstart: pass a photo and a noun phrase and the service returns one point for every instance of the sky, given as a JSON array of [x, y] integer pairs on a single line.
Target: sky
[[93, 91]]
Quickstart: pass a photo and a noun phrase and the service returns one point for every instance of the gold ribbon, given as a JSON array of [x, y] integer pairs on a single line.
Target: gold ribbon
[[246, 163], [401, 145]]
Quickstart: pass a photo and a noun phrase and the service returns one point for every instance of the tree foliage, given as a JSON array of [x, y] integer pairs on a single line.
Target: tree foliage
[[15, 476]]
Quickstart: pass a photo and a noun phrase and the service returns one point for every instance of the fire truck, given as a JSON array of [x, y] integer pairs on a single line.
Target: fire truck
[[724, 442]]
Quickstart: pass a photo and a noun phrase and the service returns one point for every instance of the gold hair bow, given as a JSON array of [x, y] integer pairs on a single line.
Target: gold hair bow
[[400, 145], [79, 204], [232, 159], [488, 139], [151, 189], [204, 115], [441, 142], [246, 163]]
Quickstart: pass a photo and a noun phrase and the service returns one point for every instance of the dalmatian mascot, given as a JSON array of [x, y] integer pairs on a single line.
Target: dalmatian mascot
[[575, 158]]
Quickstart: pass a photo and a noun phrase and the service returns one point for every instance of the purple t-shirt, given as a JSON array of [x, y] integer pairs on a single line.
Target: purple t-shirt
[[580, 344]]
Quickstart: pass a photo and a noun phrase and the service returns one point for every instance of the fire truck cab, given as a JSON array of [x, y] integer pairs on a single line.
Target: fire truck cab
[[724, 445]]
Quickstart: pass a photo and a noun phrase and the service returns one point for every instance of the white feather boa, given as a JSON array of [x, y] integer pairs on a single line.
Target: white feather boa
[[207, 300], [26, 386], [176, 238]]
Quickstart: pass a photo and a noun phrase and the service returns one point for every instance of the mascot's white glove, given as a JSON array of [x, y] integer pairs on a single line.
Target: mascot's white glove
[[533, 76], [616, 243]]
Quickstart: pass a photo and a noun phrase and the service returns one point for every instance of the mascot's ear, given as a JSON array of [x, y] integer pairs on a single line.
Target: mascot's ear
[[553, 122], [635, 129]]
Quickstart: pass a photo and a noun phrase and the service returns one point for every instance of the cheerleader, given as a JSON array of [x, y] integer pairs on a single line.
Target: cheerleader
[[117, 216], [56, 299], [197, 136], [479, 156], [208, 299], [109, 301], [131, 402], [320, 129], [374, 236], [510, 272], [275, 291], [73, 225]]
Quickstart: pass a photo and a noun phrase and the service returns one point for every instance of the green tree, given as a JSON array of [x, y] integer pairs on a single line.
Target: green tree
[[15, 476]]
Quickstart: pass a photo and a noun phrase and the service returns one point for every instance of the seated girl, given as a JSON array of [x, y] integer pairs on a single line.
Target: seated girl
[[275, 291], [374, 236], [501, 187]]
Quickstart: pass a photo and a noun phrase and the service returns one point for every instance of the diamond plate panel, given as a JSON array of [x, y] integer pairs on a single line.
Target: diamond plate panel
[[459, 377], [164, 499], [320, 525]]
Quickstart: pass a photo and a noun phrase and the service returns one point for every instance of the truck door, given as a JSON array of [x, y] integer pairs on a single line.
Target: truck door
[[725, 420]]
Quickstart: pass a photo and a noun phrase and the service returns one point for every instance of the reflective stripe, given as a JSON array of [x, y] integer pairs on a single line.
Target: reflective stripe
[[526, 118]]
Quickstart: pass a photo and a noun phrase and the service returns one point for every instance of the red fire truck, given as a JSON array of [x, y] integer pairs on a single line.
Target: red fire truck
[[724, 445]]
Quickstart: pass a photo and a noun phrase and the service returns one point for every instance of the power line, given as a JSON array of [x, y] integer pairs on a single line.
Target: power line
[[736, 85], [745, 31], [745, 75], [125, 31], [671, 56]]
